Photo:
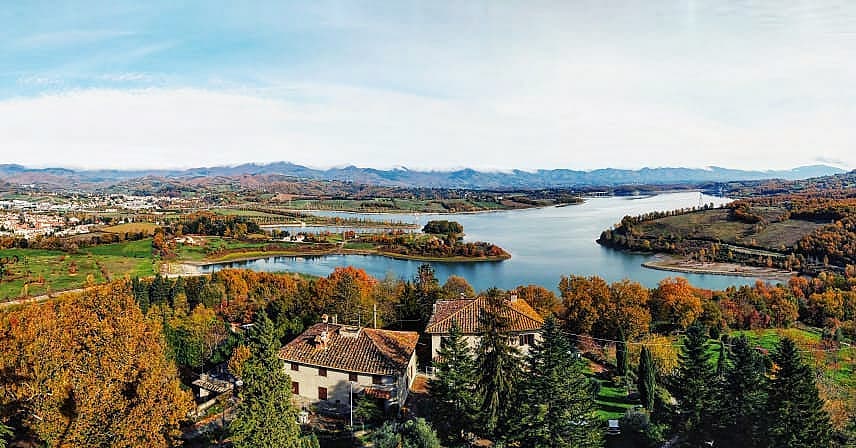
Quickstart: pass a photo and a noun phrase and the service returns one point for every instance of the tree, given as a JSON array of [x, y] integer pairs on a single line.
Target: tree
[[418, 433], [455, 288], [695, 377], [498, 365], [646, 379], [90, 371], [675, 303], [453, 388], [583, 299], [558, 409], [540, 298], [742, 398], [265, 417], [621, 354], [386, 437], [794, 408]]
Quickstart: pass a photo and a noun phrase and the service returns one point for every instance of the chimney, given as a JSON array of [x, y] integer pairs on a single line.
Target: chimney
[[324, 318], [512, 297], [335, 319]]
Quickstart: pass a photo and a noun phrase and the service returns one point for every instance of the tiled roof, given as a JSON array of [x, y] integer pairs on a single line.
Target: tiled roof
[[466, 312], [372, 351]]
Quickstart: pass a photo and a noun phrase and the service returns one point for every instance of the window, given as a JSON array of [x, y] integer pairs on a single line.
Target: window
[[295, 388], [377, 379], [527, 339], [322, 393], [295, 367], [322, 372], [353, 377]]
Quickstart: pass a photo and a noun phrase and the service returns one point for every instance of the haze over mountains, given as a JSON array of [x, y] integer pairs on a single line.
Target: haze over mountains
[[402, 177]]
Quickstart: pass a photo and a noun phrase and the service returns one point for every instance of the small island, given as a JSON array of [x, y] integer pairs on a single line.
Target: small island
[[439, 241]]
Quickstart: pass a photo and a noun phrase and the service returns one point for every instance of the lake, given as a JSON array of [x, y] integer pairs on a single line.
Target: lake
[[545, 243]]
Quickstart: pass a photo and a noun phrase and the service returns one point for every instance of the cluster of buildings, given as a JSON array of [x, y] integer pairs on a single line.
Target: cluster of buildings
[[26, 225], [330, 364]]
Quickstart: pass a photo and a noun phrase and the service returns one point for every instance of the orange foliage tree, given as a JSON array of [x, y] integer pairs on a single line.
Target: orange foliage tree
[[87, 370]]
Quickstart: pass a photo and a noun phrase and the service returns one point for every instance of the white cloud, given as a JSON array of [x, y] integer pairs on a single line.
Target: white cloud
[[327, 125]]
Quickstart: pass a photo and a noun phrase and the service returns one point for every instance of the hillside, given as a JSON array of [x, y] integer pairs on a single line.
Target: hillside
[[808, 225]]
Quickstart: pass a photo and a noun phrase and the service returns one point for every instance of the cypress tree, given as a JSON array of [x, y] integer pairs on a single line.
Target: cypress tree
[[453, 388], [559, 410], [498, 366], [795, 411], [693, 387], [742, 397], [646, 379], [266, 416], [621, 354]]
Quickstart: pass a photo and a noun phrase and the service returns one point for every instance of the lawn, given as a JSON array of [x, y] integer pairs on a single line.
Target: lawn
[[45, 271]]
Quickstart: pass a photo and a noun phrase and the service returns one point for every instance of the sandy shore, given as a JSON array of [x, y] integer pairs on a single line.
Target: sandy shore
[[678, 264]]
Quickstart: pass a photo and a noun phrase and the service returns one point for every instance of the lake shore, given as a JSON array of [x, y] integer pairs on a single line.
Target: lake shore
[[672, 263]]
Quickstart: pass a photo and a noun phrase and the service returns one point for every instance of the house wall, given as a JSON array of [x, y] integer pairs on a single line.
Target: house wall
[[338, 384], [473, 342]]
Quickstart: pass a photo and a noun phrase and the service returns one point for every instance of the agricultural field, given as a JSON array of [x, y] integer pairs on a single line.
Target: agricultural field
[[45, 271], [146, 228]]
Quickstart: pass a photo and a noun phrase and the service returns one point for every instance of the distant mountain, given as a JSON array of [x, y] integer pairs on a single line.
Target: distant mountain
[[403, 177]]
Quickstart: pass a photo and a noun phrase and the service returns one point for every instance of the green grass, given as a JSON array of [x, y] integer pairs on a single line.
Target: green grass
[[45, 271]]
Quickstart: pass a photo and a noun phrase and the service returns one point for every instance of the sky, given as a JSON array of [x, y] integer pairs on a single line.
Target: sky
[[491, 85]]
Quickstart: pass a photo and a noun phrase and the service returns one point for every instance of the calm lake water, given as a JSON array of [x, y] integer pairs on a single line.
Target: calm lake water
[[544, 243]]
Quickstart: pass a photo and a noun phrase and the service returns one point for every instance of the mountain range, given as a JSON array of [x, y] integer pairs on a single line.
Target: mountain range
[[403, 177]]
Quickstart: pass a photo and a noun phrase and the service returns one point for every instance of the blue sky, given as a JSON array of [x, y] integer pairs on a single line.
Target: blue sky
[[489, 85]]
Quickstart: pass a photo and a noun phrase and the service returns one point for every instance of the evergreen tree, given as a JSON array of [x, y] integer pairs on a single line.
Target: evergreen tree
[[386, 437], [646, 379], [721, 360], [742, 397], [621, 354], [453, 387], [266, 416], [558, 409], [794, 409], [693, 388], [498, 366]]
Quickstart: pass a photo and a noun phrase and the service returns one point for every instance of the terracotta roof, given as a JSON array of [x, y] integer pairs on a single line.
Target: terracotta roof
[[371, 351], [466, 313]]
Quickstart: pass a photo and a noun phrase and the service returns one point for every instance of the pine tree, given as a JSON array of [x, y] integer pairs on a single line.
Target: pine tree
[[418, 434], [721, 360], [742, 397], [498, 366], [646, 380], [266, 416], [558, 409], [453, 388], [693, 387], [621, 354], [794, 409]]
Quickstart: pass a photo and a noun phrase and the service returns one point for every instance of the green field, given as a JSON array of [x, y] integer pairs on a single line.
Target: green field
[[45, 271]]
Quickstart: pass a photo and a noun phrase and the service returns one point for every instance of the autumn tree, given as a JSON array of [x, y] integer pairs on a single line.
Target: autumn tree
[[456, 287], [540, 298], [674, 302], [582, 299], [90, 371]]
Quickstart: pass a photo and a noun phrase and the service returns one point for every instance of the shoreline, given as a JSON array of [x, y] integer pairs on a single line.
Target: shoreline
[[340, 251], [662, 262]]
